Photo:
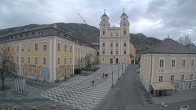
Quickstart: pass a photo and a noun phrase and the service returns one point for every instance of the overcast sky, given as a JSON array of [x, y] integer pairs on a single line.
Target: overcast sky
[[154, 18]]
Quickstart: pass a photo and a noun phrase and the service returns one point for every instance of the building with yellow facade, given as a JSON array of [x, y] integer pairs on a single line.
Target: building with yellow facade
[[115, 46], [168, 66], [46, 53]]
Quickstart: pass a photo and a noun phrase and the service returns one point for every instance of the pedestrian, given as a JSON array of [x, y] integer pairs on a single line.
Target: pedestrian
[[103, 75], [93, 82]]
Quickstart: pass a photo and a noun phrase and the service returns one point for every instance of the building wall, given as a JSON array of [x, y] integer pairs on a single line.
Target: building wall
[[167, 70], [57, 67]]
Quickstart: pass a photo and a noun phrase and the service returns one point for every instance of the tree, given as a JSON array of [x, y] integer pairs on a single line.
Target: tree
[[184, 39], [7, 65]]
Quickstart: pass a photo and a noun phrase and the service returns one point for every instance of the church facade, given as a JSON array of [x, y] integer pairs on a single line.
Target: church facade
[[115, 46]]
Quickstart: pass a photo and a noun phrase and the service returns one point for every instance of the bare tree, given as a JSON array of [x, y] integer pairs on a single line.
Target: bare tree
[[7, 65], [184, 39]]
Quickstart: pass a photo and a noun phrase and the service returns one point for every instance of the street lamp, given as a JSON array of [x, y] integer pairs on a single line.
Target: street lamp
[[118, 72], [122, 68], [162, 106], [112, 78]]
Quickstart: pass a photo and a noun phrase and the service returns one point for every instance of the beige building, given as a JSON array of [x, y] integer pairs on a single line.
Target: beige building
[[168, 66], [115, 46], [46, 53]]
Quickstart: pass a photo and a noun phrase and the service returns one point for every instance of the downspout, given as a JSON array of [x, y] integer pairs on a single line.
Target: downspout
[[150, 72], [151, 67]]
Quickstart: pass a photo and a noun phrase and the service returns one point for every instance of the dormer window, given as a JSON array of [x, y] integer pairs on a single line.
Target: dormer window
[[16, 36], [124, 18], [33, 33], [20, 35], [40, 32], [26, 34]]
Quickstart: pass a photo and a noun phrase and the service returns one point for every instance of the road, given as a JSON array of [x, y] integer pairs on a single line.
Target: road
[[128, 94], [128, 90]]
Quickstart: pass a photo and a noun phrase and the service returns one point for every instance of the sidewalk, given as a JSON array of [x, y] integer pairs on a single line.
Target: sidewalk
[[179, 96]]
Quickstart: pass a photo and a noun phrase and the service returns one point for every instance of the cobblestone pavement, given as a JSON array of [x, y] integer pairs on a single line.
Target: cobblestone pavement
[[79, 92]]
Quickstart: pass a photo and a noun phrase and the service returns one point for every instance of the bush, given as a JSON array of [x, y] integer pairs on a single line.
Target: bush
[[77, 71]]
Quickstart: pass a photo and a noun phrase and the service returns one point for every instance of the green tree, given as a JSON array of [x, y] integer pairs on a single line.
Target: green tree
[[7, 65]]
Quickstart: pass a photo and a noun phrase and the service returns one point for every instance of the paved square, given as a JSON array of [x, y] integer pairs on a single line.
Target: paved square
[[79, 92]]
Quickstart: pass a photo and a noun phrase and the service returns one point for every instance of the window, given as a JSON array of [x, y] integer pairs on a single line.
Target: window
[[28, 59], [22, 46], [103, 32], [173, 63], [59, 46], [116, 52], [116, 44], [116, 33], [103, 52], [111, 52], [192, 62], [36, 45], [172, 77], [22, 59], [35, 59], [160, 78], [17, 59], [17, 47], [103, 44], [44, 46], [124, 44], [58, 60], [70, 60], [13, 48], [29, 46], [65, 47], [64, 60], [183, 63], [111, 45], [182, 77], [124, 52], [191, 76], [44, 60], [124, 32], [161, 62], [70, 48]]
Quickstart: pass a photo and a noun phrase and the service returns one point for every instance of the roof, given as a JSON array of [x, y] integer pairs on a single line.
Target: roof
[[42, 32], [124, 14], [169, 46], [192, 46], [162, 86]]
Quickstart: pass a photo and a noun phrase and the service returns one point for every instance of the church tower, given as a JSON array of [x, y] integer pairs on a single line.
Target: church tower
[[124, 25], [104, 25]]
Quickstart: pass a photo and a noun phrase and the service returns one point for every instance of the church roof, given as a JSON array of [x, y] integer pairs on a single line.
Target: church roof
[[169, 46], [124, 14]]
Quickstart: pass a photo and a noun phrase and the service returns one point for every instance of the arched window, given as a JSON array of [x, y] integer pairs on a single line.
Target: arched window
[[103, 32], [124, 31]]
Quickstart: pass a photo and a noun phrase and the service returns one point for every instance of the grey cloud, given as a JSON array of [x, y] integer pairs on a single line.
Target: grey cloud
[[176, 16]]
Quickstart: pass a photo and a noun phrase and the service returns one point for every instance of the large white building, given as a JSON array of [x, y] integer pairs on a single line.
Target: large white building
[[115, 46]]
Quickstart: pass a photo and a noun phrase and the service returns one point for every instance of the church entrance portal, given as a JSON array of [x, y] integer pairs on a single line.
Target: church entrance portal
[[116, 60]]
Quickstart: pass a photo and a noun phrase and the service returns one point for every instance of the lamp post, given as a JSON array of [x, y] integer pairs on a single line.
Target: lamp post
[[162, 106], [122, 68], [112, 78], [118, 72]]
